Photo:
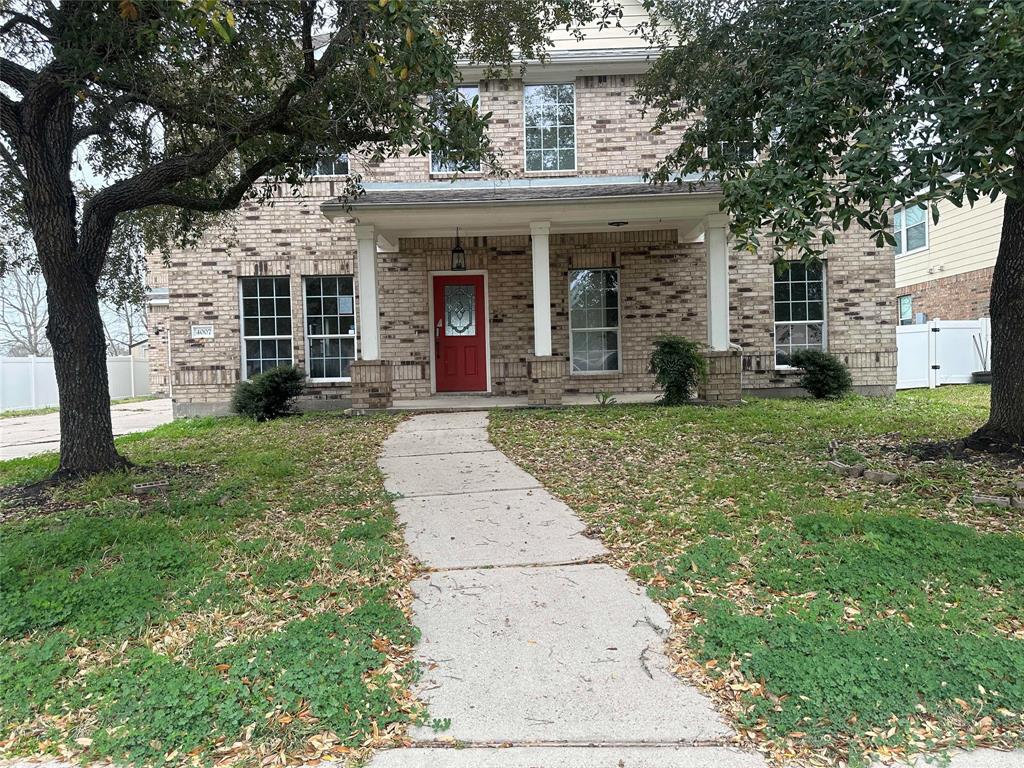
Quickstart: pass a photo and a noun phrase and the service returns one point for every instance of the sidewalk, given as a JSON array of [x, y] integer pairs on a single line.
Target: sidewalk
[[528, 640], [29, 435]]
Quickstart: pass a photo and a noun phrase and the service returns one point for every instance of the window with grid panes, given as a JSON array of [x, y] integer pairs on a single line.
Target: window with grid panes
[[266, 324], [330, 326], [550, 115], [594, 320], [799, 310]]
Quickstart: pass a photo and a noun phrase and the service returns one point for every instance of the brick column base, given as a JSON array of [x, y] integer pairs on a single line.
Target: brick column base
[[547, 377], [371, 385], [724, 382]]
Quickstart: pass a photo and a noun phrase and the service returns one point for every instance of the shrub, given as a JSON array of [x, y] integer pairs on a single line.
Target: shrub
[[678, 368], [825, 376], [268, 395]]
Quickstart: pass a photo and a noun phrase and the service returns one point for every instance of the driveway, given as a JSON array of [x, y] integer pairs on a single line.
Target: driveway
[[29, 435]]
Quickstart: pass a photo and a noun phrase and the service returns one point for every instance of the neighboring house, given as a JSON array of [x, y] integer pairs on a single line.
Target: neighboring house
[[944, 269], [554, 282]]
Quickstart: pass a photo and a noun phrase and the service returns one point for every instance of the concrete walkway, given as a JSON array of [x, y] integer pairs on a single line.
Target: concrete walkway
[[527, 643], [29, 435]]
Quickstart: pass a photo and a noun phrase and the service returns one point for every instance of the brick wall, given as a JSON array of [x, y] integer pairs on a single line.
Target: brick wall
[[860, 315], [958, 297], [662, 289], [289, 238]]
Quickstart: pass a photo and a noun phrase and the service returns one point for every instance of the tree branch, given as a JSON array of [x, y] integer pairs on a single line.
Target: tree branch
[[15, 75], [23, 19], [308, 57], [150, 186], [12, 163], [232, 195], [9, 109]]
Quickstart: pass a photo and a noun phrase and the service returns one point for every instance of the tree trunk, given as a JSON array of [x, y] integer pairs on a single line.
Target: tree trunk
[[1005, 427], [71, 267], [75, 330]]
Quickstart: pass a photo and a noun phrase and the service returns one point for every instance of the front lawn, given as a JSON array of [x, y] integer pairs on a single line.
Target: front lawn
[[255, 612], [829, 617]]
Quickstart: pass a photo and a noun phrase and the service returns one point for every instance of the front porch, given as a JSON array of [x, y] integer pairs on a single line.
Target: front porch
[[564, 287]]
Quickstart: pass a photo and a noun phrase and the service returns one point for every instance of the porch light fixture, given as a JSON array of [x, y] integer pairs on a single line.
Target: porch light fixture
[[617, 223], [458, 255]]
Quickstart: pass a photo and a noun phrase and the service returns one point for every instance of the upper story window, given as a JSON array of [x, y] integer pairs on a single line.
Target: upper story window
[[550, 127], [330, 166], [439, 164], [738, 151], [910, 227], [799, 310]]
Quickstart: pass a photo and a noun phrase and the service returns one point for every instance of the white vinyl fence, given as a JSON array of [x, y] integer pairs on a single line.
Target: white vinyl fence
[[29, 382], [942, 352]]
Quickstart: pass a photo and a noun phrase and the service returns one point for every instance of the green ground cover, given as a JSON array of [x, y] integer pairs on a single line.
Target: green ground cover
[[258, 608], [830, 617]]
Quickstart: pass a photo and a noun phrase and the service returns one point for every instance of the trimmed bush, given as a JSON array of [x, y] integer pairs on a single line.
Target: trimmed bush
[[825, 376], [678, 367], [268, 395]]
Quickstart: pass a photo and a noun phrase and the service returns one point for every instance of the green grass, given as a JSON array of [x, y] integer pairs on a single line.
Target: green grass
[[824, 613], [257, 604]]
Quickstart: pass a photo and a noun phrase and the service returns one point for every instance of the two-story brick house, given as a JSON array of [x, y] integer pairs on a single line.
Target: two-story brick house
[[551, 283]]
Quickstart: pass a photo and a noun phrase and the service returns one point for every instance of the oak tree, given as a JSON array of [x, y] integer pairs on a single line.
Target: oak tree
[[181, 109], [853, 107]]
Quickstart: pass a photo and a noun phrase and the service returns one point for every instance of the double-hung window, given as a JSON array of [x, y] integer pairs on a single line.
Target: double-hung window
[[440, 164], [266, 324], [550, 127], [910, 227], [330, 327], [799, 310], [330, 166], [594, 320]]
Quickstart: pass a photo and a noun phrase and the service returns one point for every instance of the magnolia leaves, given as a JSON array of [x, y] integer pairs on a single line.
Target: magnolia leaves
[[203, 15]]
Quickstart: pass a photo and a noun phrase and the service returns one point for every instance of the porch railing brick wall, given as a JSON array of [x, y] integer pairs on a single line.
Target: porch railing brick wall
[[724, 382]]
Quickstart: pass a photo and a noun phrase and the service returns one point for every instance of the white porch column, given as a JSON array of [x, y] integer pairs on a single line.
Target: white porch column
[[718, 280], [539, 234], [366, 274]]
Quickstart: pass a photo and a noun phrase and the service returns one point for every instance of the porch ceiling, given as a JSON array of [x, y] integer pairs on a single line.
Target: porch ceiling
[[485, 208]]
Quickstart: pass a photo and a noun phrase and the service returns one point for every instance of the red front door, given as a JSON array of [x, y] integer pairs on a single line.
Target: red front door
[[460, 328]]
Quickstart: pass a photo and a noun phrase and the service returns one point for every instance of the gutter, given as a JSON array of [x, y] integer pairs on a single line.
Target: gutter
[[340, 207]]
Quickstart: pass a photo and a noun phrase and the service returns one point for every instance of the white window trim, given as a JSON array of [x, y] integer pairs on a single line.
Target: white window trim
[[307, 336], [899, 309], [618, 329], [575, 132], [430, 155], [241, 322], [901, 234], [823, 321]]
